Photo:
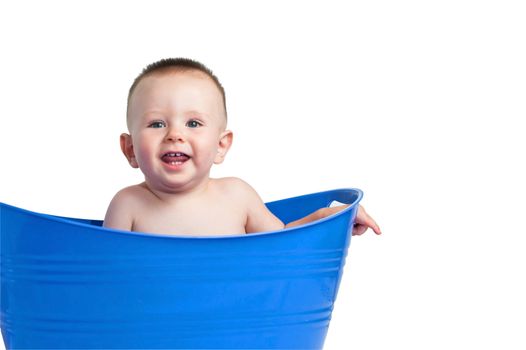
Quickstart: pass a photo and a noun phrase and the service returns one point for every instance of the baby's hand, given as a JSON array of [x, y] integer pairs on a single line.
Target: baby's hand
[[361, 224], [363, 221]]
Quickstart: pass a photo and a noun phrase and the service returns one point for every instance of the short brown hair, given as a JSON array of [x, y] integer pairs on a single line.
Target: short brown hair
[[177, 64]]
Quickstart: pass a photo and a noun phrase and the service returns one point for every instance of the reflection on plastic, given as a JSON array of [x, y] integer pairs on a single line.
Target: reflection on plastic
[[69, 283]]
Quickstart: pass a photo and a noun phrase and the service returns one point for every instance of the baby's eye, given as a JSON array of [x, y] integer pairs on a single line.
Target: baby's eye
[[193, 123], [157, 124]]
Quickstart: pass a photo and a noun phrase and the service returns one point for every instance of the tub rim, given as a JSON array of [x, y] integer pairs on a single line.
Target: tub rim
[[74, 222]]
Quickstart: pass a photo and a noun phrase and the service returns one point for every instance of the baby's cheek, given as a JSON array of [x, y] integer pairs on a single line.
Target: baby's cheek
[[142, 155]]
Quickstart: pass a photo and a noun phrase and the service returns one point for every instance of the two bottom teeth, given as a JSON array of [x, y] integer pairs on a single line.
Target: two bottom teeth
[[178, 162]]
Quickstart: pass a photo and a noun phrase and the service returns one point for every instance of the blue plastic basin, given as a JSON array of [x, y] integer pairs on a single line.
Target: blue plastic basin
[[71, 284]]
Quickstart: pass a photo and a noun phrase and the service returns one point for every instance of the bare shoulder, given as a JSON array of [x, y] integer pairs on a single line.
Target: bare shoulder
[[232, 182], [124, 206], [258, 217], [130, 194], [234, 186]]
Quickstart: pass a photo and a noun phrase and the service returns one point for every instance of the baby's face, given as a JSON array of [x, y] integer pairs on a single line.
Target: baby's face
[[177, 127]]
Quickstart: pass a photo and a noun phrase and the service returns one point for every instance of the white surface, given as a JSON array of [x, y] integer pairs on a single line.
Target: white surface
[[418, 103]]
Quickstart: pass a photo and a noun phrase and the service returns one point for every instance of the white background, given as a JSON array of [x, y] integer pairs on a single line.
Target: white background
[[418, 103]]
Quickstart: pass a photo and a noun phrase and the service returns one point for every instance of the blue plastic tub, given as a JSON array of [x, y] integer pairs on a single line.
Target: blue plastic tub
[[69, 283]]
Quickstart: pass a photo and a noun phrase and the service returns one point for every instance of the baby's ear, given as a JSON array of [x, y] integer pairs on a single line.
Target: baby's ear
[[225, 141], [127, 149]]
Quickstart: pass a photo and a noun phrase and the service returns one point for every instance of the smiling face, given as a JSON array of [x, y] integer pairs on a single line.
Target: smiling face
[[177, 130]]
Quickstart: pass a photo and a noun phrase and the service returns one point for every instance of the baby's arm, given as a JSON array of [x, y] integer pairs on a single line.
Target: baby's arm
[[361, 224], [261, 219], [118, 215]]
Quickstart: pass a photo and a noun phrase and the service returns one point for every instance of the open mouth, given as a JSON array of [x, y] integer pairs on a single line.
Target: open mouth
[[174, 158]]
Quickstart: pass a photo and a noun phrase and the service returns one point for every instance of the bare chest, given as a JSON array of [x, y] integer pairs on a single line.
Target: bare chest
[[204, 218]]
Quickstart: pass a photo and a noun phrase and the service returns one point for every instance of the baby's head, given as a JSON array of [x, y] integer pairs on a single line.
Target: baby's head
[[176, 116], [170, 66]]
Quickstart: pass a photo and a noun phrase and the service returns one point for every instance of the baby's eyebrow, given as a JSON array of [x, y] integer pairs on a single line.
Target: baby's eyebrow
[[152, 113], [196, 113]]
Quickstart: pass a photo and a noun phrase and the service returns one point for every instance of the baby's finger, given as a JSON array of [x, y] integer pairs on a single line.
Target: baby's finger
[[372, 224], [366, 220]]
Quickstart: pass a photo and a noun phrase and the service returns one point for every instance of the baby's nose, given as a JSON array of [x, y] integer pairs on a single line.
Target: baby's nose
[[174, 135]]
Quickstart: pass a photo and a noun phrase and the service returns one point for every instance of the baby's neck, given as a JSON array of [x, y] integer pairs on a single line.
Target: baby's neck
[[176, 194]]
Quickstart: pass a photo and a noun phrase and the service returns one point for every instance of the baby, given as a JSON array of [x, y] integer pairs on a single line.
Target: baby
[[177, 119]]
